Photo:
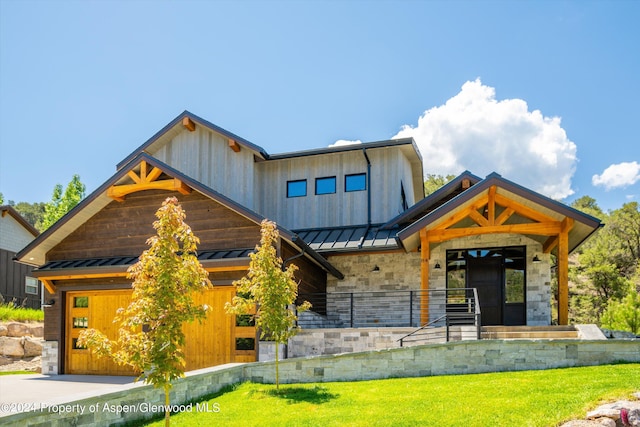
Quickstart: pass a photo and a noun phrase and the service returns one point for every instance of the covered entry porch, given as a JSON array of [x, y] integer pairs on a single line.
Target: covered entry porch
[[499, 237]]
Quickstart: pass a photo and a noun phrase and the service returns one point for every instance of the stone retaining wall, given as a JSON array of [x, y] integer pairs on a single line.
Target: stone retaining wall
[[436, 359]]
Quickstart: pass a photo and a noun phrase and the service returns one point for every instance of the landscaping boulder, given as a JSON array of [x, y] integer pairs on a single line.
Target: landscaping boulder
[[36, 330], [600, 422], [3, 331], [17, 329], [31, 347], [11, 347]]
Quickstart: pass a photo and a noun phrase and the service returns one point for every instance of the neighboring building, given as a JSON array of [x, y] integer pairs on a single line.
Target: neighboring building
[[16, 282], [370, 248]]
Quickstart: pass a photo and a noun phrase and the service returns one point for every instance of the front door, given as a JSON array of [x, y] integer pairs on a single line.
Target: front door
[[485, 274]]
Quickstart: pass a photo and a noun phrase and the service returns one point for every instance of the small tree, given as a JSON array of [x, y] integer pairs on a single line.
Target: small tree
[[150, 336], [271, 290]]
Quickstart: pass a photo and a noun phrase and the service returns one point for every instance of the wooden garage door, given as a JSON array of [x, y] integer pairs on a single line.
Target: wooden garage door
[[94, 309], [218, 339]]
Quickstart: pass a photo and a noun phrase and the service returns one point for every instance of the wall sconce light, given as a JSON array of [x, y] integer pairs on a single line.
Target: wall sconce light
[[49, 303], [437, 266], [536, 260], [376, 269]]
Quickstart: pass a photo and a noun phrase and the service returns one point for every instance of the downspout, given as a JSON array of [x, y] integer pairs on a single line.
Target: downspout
[[364, 236]]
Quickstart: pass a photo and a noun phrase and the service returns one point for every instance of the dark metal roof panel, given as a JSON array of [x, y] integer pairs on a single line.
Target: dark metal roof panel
[[341, 239], [130, 260]]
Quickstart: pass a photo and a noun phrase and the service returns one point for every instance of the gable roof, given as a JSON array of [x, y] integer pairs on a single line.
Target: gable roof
[[433, 200], [584, 225], [35, 252], [10, 210], [175, 126]]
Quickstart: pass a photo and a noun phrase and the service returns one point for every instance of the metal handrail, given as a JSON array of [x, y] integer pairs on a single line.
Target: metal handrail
[[433, 322]]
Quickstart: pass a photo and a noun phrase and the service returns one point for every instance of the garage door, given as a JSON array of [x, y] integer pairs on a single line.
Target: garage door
[[218, 339]]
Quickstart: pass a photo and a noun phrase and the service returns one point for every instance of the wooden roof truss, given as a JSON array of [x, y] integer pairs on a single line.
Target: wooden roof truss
[[145, 179]]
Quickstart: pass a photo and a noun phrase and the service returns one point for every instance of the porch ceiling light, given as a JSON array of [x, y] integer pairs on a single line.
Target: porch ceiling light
[[536, 260]]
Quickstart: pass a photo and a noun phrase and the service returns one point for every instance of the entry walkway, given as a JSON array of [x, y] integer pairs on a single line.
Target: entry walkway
[[21, 393]]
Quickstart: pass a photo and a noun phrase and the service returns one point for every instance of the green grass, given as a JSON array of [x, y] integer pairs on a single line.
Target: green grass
[[527, 398], [17, 372], [8, 312]]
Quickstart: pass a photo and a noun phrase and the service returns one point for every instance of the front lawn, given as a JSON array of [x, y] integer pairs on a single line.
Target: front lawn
[[527, 398]]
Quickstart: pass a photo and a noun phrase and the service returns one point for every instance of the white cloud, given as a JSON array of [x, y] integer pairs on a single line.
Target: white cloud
[[474, 131], [618, 175], [342, 142]]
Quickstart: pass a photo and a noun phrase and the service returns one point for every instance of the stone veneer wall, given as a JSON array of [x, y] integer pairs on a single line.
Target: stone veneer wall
[[401, 271], [50, 357], [316, 342], [437, 359]]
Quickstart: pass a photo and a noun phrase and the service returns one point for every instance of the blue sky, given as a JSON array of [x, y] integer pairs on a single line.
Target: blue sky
[[545, 93]]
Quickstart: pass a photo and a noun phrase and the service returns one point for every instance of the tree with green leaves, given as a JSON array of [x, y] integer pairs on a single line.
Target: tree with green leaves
[[165, 279], [623, 315], [434, 182], [270, 290], [61, 203], [1, 199], [32, 212]]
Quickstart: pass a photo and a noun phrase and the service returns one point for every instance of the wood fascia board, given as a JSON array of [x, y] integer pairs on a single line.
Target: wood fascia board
[[238, 264], [540, 228], [121, 271]]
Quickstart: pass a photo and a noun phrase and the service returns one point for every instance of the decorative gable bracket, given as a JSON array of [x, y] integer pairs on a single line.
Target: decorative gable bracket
[[146, 180]]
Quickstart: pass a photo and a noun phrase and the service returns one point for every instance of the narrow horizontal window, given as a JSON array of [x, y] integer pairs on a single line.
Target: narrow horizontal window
[[355, 182], [326, 185], [245, 344], [297, 188]]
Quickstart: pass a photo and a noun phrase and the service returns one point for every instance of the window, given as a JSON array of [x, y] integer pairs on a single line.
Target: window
[[355, 182], [297, 188], [326, 185], [80, 322], [245, 344], [31, 285], [80, 302]]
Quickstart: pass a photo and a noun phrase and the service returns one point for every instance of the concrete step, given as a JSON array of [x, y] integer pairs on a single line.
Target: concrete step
[[529, 332]]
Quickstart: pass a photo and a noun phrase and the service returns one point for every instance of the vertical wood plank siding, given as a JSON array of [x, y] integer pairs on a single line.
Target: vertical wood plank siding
[[206, 157], [122, 228], [388, 169], [13, 278]]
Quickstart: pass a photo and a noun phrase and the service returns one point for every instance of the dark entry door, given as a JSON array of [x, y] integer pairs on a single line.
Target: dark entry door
[[485, 274]]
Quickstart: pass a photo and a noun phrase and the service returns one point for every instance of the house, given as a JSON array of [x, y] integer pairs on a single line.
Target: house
[[16, 282], [369, 246]]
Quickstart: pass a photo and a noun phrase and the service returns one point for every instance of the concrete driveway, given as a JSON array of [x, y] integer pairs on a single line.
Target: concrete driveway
[[21, 393]]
